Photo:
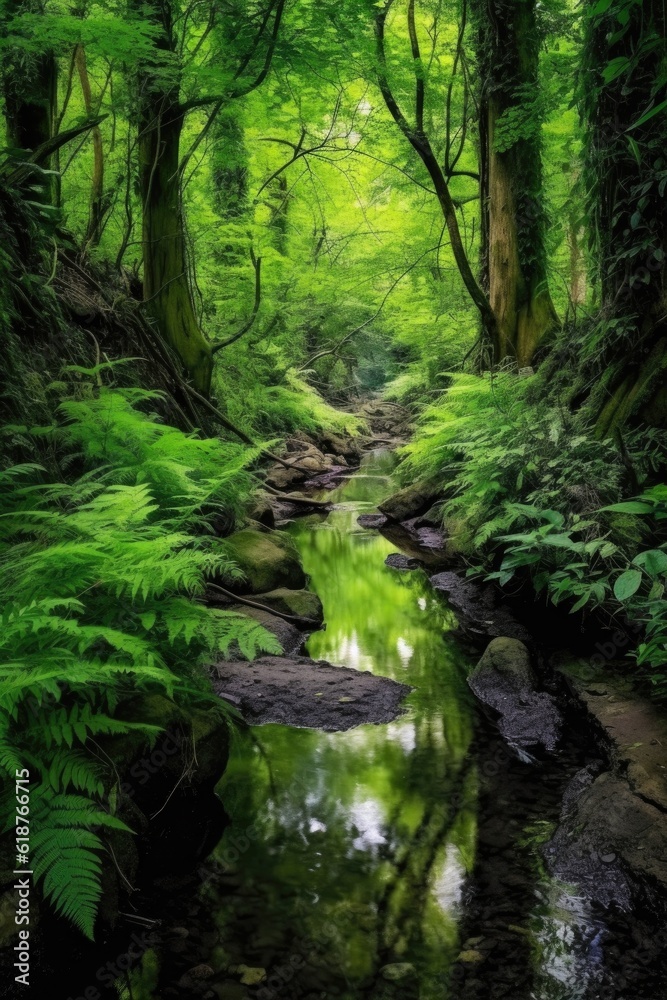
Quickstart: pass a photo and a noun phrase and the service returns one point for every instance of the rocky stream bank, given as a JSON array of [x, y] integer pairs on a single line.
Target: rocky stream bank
[[553, 726]]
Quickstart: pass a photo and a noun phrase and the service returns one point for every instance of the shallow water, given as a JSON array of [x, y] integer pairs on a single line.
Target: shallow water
[[391, 861], [359, 841]]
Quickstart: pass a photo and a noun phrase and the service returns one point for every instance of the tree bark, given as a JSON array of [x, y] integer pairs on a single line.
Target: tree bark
[[625, 141], [513, 254], [97, 206], [419, 141], [30, 91], [167, 289]]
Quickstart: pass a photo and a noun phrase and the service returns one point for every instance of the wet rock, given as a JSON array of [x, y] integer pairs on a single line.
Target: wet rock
[[268, 561], [309, 693], [288, 635], [504, 681], [427, 536], [372, 521], [398, 560], [409, 502], [613, 832], [579, 852], [262, 512], [479, 608], [330, 479], [302, 604]]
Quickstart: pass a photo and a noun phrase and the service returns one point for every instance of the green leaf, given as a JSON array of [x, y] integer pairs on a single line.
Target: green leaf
[[562, 541], [627, 584], [600, 7], [630, 507], [653, 562], [649, 114]]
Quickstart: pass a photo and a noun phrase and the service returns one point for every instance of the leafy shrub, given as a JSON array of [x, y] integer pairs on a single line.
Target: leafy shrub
[[539, 498], [100, 581], [493, 449]]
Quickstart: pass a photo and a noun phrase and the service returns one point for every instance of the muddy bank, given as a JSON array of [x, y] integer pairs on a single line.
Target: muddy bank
[[314, 694]]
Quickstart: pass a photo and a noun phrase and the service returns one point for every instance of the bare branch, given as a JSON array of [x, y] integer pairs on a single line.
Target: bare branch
[[257, 264], [327, 352], [420, 143], [418, 67]]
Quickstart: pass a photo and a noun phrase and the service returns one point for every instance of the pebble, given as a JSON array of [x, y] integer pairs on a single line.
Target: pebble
[[397, 971], [470, 957]]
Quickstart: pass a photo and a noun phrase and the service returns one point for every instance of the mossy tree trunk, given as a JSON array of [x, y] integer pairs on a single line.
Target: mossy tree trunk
[[30, 90], [513, 253], [626, 131], [167, 288], [98, 205]]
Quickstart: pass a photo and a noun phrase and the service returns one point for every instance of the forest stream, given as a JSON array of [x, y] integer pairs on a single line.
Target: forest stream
[[399, 860]]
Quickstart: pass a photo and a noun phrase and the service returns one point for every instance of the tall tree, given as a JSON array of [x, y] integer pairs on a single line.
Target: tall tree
[[415, 132], [514, 273], [167, 283], [624, 105], [30, 79]]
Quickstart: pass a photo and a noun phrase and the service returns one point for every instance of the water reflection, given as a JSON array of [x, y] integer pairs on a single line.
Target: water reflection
[[360, 840]]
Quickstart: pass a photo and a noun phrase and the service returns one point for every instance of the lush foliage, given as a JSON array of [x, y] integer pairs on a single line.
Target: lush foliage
[[100, 587], [275, 207]]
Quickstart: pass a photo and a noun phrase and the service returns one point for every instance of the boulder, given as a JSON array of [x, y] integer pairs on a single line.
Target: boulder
[[298, 691], [409, 502], [371, 521], [301, 604], [340, 444], [479, 608], [268, 560], [282, 478], [504, 682], [399, 560], [287, 634], [303, 460], [431, 519], [262, 512]]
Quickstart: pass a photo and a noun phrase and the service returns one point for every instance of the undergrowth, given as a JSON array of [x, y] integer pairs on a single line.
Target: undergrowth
[[102, 573], [531, 495]]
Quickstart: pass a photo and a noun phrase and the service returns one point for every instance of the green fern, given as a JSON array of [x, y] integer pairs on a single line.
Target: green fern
[[66, 853], [100, 586]]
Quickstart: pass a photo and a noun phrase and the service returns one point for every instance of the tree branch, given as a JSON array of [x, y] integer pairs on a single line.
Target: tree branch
[[219, 99], [327, 352], [420, 143], [257, 264], [418, 68], [18, 172]]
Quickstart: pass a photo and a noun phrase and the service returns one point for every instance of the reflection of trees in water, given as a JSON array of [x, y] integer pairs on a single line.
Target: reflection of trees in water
[[305, 865], [346, 853]]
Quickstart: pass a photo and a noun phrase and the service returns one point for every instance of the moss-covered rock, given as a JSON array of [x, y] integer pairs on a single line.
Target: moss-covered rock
[[302, 604], [268, 561], [410, 502]]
